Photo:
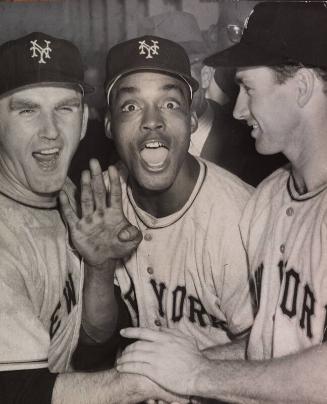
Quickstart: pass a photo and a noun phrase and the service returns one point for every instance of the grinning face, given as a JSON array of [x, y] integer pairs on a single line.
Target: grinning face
[[40, 128], [151, 123], [269, 107]]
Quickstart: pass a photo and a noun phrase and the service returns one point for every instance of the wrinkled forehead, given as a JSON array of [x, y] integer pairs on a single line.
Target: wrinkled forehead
[[141, 82]]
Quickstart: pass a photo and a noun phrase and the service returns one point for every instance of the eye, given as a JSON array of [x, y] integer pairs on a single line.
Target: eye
[[171, 104], [66, 109], [26, 112], [247, 89], [130, 107]]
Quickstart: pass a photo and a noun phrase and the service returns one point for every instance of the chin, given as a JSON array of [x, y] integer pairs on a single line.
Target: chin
[[49, 186]]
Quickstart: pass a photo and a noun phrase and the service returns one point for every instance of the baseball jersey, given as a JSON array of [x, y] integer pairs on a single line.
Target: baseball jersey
[[40, 289], [190, 271], [285, 234]]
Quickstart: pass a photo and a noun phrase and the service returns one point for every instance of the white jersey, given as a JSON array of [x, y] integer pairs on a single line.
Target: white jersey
[[40, 289], [190, 270], [285, 234]]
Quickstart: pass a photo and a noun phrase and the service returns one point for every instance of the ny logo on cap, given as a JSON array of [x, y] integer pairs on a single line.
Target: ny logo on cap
[[43, 52], [149, 50]]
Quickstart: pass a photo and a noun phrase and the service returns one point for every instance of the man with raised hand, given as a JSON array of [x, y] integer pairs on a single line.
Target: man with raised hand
[[56, 296]]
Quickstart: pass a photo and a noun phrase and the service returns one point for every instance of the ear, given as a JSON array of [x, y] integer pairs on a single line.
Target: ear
[[107, 124], [194, 121], [85, 119], [207, 73], [306, 84]]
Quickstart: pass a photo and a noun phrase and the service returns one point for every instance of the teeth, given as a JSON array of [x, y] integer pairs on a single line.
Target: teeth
[[255, 126], [154, 145], [49, 151]]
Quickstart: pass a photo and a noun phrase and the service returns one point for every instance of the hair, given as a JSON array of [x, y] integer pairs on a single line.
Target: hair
[[285, 72]]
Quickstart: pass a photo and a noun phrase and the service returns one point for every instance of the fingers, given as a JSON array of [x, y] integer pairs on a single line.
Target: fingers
[[67, 211], [97, 184], [130, 233], [143, 346], [136, 368], [140, 333], [87, 203], [115, 198]]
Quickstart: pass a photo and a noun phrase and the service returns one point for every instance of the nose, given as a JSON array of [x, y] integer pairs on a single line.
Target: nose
[[152, 119], [241, 109], [48, 126]]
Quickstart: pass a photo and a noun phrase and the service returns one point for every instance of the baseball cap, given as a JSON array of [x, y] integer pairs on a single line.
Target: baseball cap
[[148, 53], [38, 59], [278, 33]]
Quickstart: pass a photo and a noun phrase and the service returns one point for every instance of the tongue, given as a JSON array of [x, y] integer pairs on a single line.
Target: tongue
[[154, 157]]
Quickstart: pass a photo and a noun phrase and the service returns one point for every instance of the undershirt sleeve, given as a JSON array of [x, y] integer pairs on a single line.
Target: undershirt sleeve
[[27, 386]]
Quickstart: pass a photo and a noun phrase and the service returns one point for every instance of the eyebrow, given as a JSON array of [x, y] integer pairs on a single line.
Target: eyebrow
[[126, 90], [136, 90], [22, 103], [73, 102], [168, 87]]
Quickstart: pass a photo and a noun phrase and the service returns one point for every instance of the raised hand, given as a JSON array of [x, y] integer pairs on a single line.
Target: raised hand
[[102, 232], [168, 357]]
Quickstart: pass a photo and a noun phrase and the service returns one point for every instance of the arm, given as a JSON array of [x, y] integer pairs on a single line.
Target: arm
[[298, 378], [108, 387], [41, 386], [233, 350], [101, 236], [26, 386]]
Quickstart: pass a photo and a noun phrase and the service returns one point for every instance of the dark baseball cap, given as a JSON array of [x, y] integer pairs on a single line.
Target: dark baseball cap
[[279, 33], [148, 53], [38, 59]]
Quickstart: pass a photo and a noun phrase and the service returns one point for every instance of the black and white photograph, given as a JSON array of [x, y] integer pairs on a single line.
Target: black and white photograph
[[163, 186]]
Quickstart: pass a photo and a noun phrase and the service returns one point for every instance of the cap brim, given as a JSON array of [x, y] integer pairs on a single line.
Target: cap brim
[[189, 79], [243, 54], [82, 87]]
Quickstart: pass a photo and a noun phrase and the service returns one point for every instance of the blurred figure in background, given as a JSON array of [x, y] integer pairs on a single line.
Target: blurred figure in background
[[95, 143]]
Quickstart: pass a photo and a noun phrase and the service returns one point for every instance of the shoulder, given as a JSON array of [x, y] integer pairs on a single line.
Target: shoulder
[[273, 186], [224, 185], [269, 194]]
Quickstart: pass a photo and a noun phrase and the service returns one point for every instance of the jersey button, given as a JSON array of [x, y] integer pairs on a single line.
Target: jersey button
[[150, 270], [289, 211], [282, 248], [147, 237], [157, 323]]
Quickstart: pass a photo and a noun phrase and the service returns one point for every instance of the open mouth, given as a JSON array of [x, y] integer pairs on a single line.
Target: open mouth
[[255, 128], [47, 158], [154, 153]]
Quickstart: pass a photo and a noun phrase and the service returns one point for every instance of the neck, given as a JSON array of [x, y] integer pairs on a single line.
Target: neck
[[166, 202], [11, 187]]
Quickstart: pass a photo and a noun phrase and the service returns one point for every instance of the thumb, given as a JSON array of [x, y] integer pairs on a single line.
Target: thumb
[[130, 233]]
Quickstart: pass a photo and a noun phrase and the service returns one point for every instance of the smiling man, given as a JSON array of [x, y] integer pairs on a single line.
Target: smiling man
[[56, 286], [281, 65], [189, 272]]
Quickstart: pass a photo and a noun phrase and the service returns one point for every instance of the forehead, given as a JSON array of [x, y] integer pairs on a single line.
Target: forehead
[[254, 74], [144, 82], [44, 92]]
